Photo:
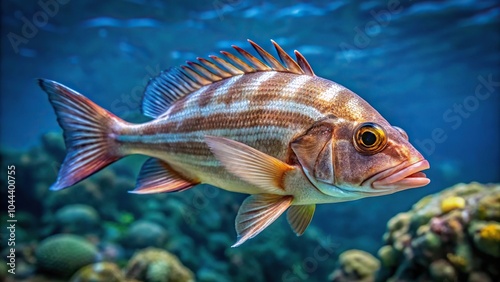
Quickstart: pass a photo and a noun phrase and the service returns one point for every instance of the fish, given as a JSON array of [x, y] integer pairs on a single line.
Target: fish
[[269, 127]]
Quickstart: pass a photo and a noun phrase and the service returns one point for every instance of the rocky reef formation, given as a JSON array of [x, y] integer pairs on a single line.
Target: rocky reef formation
[[453, 235], [99, 272], [70, 251], [157, 265], [355, 265]]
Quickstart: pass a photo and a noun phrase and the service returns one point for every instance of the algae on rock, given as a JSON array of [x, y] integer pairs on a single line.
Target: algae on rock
[[453, 233], [63, 254], [355, 265], [157, 265]]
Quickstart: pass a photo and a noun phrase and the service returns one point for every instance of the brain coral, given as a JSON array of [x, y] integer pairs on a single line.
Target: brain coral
[[63, 254], [355, 265], [157, 265], [77, 219], [99, 272], [142, 234]]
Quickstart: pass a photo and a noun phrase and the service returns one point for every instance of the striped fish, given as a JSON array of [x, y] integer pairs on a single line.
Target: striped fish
[[270, 128]]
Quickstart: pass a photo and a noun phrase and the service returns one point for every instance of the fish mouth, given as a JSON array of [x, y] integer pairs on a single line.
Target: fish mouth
[[401, 177]]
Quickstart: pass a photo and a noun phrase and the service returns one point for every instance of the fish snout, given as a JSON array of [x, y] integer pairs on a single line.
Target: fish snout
[[401, 177]]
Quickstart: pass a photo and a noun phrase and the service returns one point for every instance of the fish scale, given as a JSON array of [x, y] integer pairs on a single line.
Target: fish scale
[[270, 129], [261, 100]]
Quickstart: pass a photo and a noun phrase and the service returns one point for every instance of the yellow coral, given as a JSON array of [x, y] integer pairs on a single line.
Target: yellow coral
[[99, 272], [487, 237], [458, 261], [154, 264], [452, 203], [490, 232]]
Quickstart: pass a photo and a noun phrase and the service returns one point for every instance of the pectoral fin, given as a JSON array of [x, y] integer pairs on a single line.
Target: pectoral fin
[[249, 164], [257, 212], [157, 176], [299, 217]]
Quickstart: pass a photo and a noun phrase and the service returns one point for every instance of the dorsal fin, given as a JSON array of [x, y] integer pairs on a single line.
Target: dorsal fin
[[175, 83]]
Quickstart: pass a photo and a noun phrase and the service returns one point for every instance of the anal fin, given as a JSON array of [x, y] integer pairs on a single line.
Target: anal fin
[[257, 212], [299, 217], [157, 176]]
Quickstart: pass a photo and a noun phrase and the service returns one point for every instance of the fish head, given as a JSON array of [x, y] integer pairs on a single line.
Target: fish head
[[352, 160]]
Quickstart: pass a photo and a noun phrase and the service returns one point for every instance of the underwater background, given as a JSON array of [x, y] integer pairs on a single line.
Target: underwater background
[[430, 67]]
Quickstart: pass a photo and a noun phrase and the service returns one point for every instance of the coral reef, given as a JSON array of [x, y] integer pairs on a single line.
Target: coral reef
[[99, 272], [452, 203], [76, 219], [62, 255], [453, 235], [355, 265], [449, 236], [157, 265], [142, 234], [489, 207], [486, 236]]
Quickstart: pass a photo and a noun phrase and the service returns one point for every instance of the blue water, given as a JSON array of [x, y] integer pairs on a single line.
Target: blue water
[[430, 67]]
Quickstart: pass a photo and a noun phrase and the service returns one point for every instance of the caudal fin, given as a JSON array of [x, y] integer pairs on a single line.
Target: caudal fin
[[88, 134]]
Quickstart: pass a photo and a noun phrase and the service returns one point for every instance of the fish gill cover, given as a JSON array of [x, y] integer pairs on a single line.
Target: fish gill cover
[[431, 68]]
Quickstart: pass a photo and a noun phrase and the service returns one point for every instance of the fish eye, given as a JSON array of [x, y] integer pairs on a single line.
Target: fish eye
[[402, 132], [369, 138]]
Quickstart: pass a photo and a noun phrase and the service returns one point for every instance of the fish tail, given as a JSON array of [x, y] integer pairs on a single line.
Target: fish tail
[[89, 134]]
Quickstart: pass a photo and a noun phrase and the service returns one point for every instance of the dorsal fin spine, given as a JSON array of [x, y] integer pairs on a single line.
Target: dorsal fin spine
[[182, 76], [204, 71], [214, 68], [173, 76], [198, 77], [256, 62], [170, 78], [289, 63], [303, 63], [246, 68], [175, 83], [229, 67], [267, 57]]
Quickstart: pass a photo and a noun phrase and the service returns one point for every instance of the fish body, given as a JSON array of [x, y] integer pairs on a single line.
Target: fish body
[[265, 110], [273, 130]]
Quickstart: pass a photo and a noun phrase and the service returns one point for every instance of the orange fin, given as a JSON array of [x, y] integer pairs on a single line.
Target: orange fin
[[256, 63], [257, 212], [287, 60], [299, 217], [268, 58], [249, 164], [304, 65], [156, 176]]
